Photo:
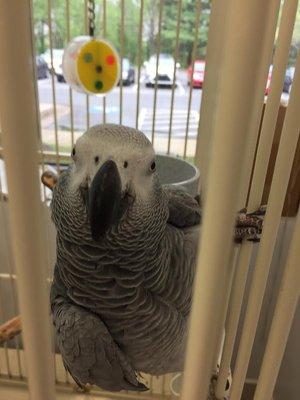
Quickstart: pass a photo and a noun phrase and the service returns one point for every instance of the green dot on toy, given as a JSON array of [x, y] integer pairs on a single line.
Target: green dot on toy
[[91, 65], [98, 85], [88, 57]]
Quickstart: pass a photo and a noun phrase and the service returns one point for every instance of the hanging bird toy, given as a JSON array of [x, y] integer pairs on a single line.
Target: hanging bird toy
[[91, 65]]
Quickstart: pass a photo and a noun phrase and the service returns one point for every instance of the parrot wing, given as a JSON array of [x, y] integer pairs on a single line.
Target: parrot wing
[[184, 210], [88, 350]]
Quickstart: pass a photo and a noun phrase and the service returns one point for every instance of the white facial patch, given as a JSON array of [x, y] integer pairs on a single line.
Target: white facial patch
[[128, 148]]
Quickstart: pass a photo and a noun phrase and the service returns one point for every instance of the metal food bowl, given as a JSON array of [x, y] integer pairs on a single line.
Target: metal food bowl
[[178, 172]]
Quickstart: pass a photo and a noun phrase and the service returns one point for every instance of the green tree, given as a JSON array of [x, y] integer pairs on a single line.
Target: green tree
[[187, 28], [78, 25], [40, 25]]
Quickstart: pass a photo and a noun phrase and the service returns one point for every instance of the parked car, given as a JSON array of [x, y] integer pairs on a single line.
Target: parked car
[[128, 72], [198, 75], [57, 63], [165, 71], [267, 89], [42, 71], [288, 80]]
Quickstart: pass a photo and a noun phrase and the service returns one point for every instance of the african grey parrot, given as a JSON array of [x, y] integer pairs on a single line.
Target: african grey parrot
[[126, 253]]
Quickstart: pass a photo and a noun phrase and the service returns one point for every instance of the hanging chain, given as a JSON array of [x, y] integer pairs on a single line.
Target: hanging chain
[[91, 17]]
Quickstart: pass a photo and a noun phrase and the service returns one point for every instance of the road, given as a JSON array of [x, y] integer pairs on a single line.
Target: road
[[129, 100]]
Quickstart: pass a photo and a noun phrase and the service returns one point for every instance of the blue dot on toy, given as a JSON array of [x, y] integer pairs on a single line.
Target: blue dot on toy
[[88, 57]]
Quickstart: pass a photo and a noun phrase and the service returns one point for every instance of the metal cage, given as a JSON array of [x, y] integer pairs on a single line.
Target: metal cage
[[218, 128]]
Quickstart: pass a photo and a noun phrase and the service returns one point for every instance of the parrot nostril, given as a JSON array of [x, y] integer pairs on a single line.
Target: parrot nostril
[[125, 164], [96, 159], [85, 183]]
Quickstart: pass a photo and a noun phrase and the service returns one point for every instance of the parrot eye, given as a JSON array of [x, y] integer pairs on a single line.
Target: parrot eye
[[153, 166], [73, 152]]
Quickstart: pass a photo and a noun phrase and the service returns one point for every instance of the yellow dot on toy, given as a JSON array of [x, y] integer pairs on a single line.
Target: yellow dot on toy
[[96, 70], [91, 65]]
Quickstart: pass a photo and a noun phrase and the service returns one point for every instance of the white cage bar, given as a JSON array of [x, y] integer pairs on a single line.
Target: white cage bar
[[223, 182], [259, 175], [282, 320], [284, 161], [220, 148], [20, 142]]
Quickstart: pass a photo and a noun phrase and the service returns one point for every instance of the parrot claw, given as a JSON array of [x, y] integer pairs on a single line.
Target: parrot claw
[[213, 383], [249, 225], [260, 211], [82, 388]]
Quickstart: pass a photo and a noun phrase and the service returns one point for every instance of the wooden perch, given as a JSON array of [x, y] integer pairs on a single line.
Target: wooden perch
[[10, 329]]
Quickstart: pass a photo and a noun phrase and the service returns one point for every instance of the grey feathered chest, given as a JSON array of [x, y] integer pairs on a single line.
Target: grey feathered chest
[[137, 279]]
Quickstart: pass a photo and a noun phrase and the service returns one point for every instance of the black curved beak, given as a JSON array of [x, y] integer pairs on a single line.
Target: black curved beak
[[104, 199]]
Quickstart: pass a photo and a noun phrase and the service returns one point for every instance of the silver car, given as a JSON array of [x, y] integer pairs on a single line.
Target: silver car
[[165, 70], [56, 69]]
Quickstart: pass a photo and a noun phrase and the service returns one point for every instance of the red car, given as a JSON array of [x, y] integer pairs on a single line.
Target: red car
[[198, 76], [267, 90]]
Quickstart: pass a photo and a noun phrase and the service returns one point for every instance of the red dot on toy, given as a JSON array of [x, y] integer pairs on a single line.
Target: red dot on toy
[[110, 59]]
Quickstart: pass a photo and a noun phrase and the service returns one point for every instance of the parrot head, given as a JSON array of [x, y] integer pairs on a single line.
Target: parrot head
[[113, 173]]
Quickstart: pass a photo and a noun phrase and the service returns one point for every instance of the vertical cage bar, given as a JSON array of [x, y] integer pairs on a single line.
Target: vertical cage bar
[[260, 169], [163, 384], [86, 27], [7, 360], [282, 170], [14, 301], [260, 85], [234, 309], [17, 344], [13, 289], [53, 84], [104, 35], [285, 34], [179, 9], [20, 140], [224, 305], [121, 58], [70, 89], [286, 30], [282, 320], [161, 5], [228, 149], [213, 73], [197, 22], [151, 385], [40, 137], [139, 61], [54, 108]]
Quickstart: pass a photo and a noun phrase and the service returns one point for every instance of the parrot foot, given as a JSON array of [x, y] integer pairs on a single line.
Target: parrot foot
[[82, 388], [176, 385], [249, 225], [213, 383]]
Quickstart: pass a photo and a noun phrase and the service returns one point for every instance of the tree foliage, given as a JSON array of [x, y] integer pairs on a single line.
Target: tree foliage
[[78, 25]]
